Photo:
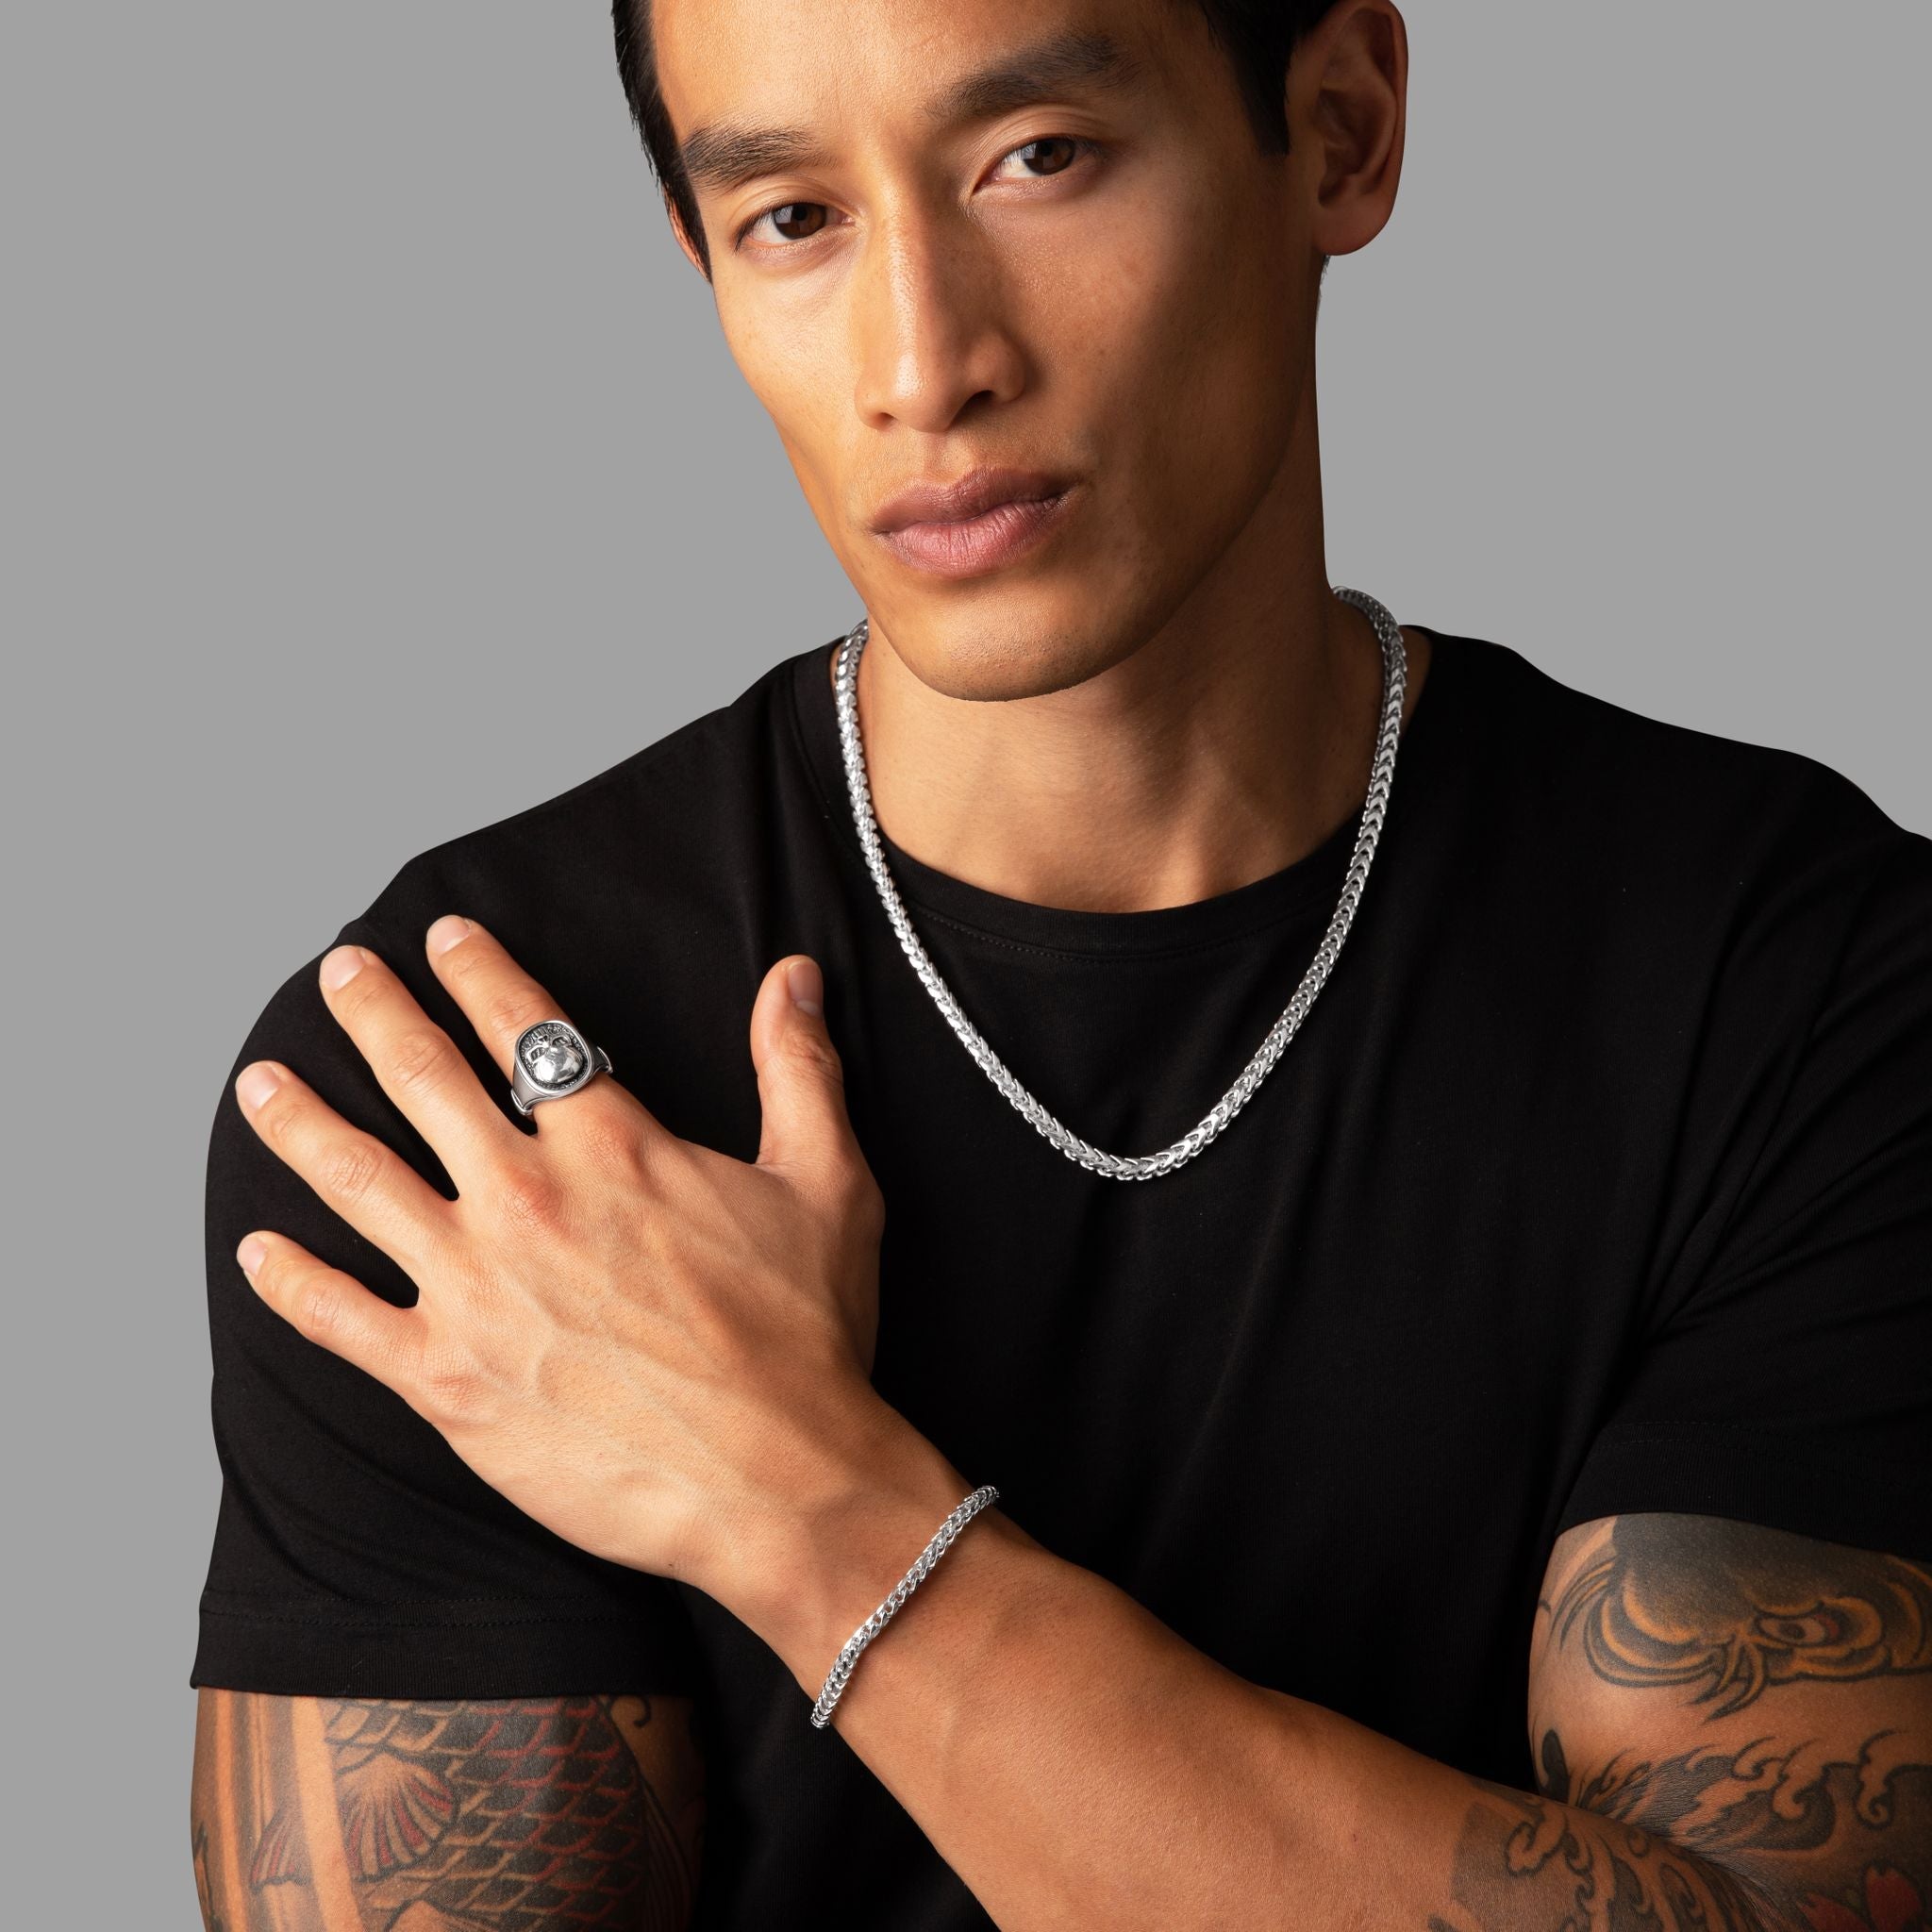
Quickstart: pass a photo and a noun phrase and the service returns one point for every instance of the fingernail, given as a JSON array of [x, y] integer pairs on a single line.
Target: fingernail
[[808, 986], [450, 930], [341, 966], [254, 1084], [251, 1254]]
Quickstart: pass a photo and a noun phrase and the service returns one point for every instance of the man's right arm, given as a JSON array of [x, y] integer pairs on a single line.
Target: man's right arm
[[353, 1550], [323, 1814]]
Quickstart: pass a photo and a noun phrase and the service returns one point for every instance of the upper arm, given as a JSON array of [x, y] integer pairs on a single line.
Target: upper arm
[[451, 1815], [1754, 1704], [1760, 1699]]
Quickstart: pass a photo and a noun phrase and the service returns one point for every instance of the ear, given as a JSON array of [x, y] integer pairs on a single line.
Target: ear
[[1347, 114]]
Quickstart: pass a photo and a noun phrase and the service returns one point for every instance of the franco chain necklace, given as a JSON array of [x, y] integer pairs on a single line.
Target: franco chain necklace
[[1125, 1167]]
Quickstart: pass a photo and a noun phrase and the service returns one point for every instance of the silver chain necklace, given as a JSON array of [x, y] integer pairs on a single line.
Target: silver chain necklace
[[1141, 1167]]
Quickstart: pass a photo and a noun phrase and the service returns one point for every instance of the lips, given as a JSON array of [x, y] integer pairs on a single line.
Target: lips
[[986, 520], [971, 495]]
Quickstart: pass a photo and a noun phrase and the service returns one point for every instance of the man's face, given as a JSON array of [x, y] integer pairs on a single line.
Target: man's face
[[1101, 281]]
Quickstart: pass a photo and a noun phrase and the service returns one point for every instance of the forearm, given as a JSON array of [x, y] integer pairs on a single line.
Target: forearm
[[1077, 1763]]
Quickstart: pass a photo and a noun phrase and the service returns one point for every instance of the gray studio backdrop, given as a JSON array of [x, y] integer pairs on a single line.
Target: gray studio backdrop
[[352, 378]]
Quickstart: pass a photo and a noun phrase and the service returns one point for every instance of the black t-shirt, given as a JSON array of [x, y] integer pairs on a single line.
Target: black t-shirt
[[1598, 1179]]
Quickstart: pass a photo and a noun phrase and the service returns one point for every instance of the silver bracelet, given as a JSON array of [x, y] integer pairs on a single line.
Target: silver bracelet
[[847, 1660]]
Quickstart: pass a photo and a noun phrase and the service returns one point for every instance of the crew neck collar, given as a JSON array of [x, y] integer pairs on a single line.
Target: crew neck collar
[[1307, 887]]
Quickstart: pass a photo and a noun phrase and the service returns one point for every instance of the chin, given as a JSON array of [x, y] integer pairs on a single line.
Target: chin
[[988, 654], [986, 671]]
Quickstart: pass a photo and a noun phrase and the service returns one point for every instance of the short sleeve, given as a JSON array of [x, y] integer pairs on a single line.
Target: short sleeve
[[1791, 1386], [355, 1554]]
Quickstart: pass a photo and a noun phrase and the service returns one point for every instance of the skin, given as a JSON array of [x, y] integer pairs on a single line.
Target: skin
[[1178, 691], [663, 1354]]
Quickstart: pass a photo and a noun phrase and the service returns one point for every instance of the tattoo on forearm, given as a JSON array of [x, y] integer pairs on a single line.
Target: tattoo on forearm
[[1524, 1861], [1735, 1610], [1805, 1805], [1821, 1841], [1797, 1798], [524, 1815]]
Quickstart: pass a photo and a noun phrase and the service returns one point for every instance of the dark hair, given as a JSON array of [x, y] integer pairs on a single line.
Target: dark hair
[[1257, 36]]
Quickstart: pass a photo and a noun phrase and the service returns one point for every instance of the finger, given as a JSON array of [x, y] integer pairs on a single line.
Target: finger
[[500, 1000], [370, 1185], [333, 1310], [807, 1129], [417, 1064]]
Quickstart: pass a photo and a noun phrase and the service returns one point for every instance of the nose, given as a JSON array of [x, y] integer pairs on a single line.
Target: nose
[[929, 314]]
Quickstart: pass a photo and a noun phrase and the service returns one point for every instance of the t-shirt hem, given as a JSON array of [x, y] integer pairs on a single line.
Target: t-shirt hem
[[483, 1649], [1766, 1476]]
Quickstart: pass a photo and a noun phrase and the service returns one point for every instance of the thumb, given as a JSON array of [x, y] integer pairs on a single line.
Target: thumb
[[801, 1077]]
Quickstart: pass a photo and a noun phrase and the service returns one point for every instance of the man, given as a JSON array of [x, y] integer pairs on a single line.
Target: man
[[1472, 1477]]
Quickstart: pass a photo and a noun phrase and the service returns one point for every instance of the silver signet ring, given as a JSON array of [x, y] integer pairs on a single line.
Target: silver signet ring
[[550, 1060]]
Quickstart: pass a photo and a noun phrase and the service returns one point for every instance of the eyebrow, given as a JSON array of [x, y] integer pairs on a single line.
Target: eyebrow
[[726, 155]]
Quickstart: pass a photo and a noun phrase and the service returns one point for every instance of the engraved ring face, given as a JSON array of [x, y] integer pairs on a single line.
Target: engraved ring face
[[553, 1055], [551, 1059]]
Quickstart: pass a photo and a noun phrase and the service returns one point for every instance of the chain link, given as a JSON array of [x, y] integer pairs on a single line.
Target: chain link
[[847, 1660], [1127, 1167]]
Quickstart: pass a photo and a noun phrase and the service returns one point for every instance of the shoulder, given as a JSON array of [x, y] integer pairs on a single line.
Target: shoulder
[[670, 820], [629, 876], [1597, 750], [1665, 820]]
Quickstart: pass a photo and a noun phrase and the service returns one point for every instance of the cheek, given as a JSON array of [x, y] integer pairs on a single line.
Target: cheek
[[792, 358], [1171, 354]]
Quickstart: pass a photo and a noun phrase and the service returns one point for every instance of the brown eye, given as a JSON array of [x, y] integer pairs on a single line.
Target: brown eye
[[1052, 141], [794, 213]]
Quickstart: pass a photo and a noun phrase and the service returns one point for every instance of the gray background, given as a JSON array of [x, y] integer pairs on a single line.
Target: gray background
[[351, 376]]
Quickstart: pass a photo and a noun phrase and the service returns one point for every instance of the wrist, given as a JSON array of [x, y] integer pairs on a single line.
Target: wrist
[[853, 1521]]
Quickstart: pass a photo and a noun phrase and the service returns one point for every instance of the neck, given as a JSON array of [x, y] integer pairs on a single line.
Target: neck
[[1226, 748]]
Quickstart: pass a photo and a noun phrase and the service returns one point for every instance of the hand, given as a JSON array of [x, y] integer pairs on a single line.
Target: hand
[[655, 1350]]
